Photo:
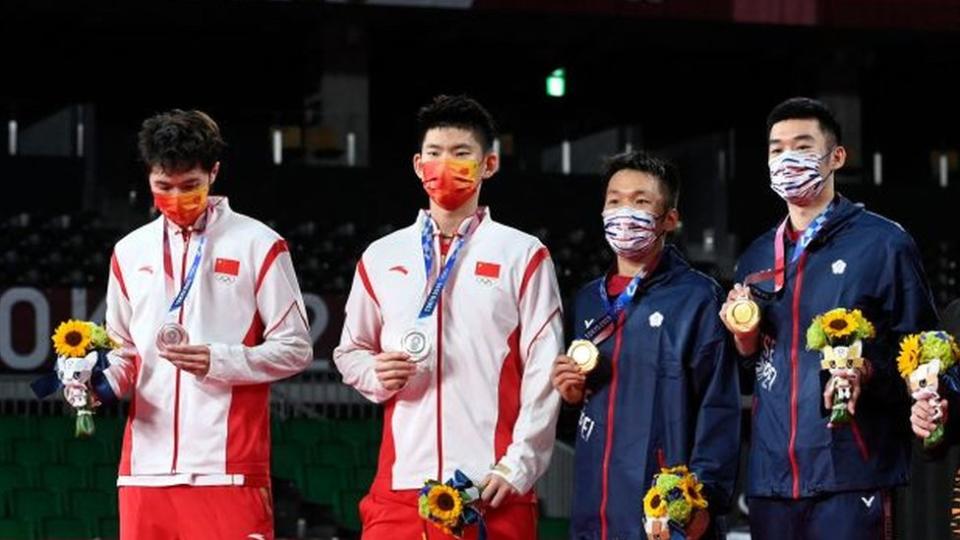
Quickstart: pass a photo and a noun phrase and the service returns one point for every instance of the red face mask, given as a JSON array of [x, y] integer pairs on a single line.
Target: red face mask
[[182, 208], [451, 182]]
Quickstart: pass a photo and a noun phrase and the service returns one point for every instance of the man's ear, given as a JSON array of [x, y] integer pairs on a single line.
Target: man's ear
[[491, 164], [214, 172], [418, 165], [838, 158], [671, 220]]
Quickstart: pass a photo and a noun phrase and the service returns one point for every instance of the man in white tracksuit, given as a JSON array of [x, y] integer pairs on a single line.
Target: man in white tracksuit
[[453, 324], [207, 306]]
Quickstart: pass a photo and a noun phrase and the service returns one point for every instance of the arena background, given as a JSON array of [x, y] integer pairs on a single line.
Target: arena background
[[317, 101]]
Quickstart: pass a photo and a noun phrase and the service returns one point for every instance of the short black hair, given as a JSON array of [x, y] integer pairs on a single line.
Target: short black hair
[[178, 140], [638, 160], [461, 112], [804, 108]]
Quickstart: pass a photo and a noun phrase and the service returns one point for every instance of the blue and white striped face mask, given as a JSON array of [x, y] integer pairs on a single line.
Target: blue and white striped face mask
[[795, 175], [630, 232]]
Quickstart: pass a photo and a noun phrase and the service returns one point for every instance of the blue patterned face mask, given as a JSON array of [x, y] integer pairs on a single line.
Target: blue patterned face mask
[[630, 232], [795, 175]]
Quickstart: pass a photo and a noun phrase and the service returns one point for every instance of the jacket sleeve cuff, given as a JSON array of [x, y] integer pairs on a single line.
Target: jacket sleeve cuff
[[220, 354], [510, 471]]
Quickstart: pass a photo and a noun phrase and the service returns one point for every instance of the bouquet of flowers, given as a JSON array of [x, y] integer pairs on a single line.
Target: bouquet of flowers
[[924, 359], [453, 505], [675, 499], [81, 348], [838, 334]]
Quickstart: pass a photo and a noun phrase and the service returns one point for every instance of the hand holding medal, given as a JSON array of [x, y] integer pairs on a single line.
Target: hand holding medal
[[569, 374], [584, 354], [171, 334], [568, 378], [415, 343], [740, 313]]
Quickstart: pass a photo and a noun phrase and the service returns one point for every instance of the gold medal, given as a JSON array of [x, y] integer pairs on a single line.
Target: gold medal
[[743, 316], [585, 354]]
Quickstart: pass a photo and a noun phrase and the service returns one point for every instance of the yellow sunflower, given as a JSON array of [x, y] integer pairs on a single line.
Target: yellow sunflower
[[72, 338], [445, 504], [654, 505], [693, 491], [837, 323], [909, 357]]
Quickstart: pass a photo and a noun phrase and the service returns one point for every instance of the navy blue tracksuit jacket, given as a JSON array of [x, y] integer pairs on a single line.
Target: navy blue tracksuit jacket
[[858, 260], [666, 392]]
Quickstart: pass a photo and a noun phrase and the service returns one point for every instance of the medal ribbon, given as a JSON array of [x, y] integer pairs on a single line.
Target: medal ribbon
[[426, 241], [181, 297], [779, 270], [603, 327]]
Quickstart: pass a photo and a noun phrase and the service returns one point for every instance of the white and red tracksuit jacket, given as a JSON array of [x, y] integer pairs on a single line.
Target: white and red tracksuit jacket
[[487, 405], [246, 305]]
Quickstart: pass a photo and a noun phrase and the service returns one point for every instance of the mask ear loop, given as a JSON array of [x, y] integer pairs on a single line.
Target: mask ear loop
[[826, 156]]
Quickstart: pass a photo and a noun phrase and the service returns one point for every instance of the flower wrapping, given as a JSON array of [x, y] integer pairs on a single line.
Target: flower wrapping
[[453, 505], [81, 348], [838, 334], [674, 504], [925, 359]]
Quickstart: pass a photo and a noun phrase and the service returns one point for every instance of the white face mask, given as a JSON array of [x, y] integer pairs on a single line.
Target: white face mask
[[795, 176], [631, 233]]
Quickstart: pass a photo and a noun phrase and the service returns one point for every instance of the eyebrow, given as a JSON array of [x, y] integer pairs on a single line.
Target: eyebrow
[[461, 146], [170, 182], [628, 193], [805, 137]]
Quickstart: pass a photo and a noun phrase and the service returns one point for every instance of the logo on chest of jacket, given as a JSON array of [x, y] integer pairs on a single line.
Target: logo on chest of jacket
[[487, 273], [656, 319], [226, 270], [839, 266]]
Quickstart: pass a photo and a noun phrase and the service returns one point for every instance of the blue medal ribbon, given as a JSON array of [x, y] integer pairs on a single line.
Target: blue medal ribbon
[[461, 482], [426, 241], [191, 276], [810, 233], [779, 271], [612, 310]]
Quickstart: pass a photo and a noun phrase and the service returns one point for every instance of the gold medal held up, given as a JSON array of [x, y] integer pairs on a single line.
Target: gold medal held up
[[585, 354], [743, 316]]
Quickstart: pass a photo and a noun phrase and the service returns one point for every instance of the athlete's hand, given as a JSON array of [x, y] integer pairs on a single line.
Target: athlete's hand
[[394, 369], [737, 293], [193, 359], [747, 343], [856, 377], [496, 489], [127, 352], [568, 380], [923, 417]]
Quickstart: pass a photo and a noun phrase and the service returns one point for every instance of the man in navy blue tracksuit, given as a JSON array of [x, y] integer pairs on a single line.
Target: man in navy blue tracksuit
[[805, 479], [665, 391]]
